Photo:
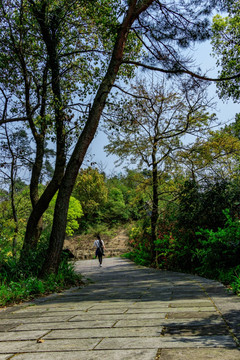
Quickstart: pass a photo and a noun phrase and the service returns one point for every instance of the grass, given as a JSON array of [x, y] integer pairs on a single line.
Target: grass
[[27, 287]]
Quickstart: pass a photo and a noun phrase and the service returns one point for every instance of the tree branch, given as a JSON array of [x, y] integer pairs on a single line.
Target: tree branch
[[180, 71], [5, 121]]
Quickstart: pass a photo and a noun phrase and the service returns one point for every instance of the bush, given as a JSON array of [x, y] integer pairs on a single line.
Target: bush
[[26, 288], [139, 240], [19, 280], [139, 256], [219, 250]]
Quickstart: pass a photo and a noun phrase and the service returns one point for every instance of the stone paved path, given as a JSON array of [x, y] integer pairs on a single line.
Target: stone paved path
[[127, 312]]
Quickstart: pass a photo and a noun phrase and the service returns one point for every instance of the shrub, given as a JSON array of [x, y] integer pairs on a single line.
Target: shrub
[[140, 241], [28, 287], [219, 250]]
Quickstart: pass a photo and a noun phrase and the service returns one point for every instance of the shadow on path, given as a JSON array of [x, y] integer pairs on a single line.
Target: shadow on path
[[126, 312]]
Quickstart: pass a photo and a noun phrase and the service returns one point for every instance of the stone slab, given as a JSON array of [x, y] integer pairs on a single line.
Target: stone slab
[[193, 315], [148, 304], [193, 301], [116, 317], [114, 302], [111, 305], [167, 342], [200, 354], [153, 297], [26, 314], [140, 323], [7, 327], [67, 325], [81, 305], [195, 322], [110, 333], [195, 330], [9, 347], [171, 309], [144, 310], [173, 324], [10, 322], [21, 335], [91, 355], [199, 296], [48, 345], [110, 310], [5, 357], [42, 319], [22, 315], [190, 304]]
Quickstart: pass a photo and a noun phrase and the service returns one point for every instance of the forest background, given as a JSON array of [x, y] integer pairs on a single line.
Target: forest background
[[66, 66]]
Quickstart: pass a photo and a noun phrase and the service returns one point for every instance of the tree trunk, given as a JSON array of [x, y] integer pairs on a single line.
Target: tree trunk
[[34, 221], [15, 217], [60, 215], [34, 195], [48, 32], [37, 166], [154, 216]]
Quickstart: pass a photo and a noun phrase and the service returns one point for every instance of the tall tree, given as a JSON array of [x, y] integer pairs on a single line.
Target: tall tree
[[76, 56], [150, 126], [42, 71], [14, 158], [162, 29], [24, 82], [75, 61]]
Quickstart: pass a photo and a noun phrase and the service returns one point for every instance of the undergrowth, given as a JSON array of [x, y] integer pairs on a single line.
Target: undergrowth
[[213, 254], [28, 288], [20, 282]]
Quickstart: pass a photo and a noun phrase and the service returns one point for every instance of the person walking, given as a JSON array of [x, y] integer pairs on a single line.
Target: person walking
[[100, 247]]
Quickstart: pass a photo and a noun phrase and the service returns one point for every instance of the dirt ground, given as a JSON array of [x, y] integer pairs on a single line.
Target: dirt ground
[[82, 246]]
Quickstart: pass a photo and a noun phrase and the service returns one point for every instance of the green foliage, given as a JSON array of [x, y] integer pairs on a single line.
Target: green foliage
[[115, 209], [90, 189], [132, 192], [23, 207], [13, 270], [234, 279], [20, 280], [140, 256], [74, 213], [139, 240], [219, 250], [7, 225], [29, 286], [102, 228], [213, 251], [225, 41], [5, 248], [202, 206], [105, 200]]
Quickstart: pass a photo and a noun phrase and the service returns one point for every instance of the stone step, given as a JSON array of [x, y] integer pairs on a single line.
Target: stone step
[[83, 249], [91, 254]]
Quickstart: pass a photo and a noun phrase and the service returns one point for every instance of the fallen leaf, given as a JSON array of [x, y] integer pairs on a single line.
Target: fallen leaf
[[40, 341]]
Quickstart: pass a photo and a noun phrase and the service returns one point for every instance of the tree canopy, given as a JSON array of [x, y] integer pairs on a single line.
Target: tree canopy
[[225, 42], [60, 61]]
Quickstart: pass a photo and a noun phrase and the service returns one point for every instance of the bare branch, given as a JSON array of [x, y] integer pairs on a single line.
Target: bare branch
[[5, 121], [180, 71], [131, 94]]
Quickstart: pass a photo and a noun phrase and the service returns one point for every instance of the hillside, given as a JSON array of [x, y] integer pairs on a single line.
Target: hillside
[[82, 246]]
